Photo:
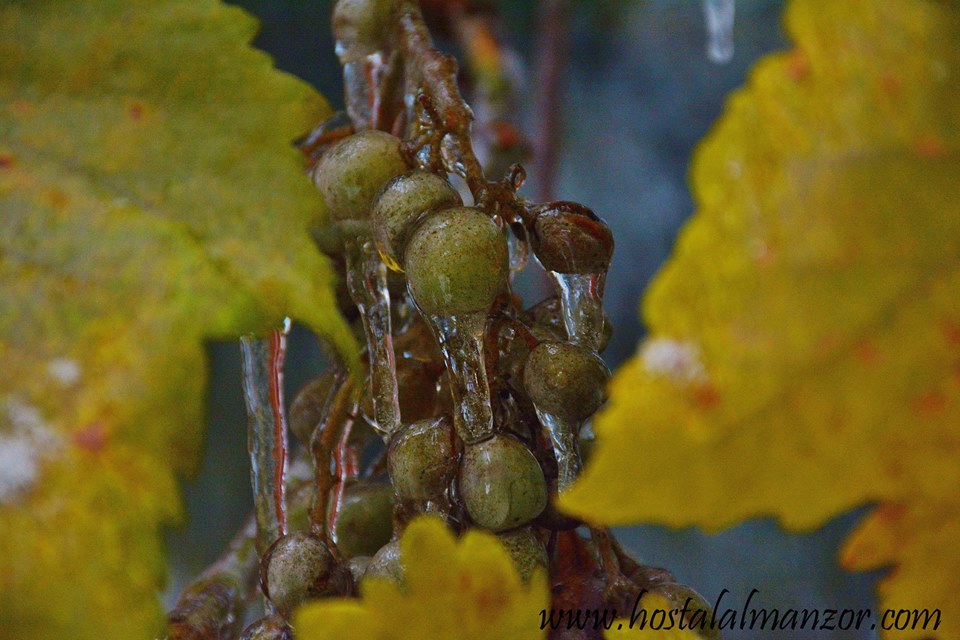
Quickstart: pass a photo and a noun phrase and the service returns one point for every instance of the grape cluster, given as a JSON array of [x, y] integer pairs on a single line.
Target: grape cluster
[[473, 405]]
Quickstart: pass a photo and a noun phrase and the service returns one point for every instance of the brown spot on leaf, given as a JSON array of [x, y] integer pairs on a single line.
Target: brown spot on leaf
[[798, 65], [931, 403], [930, 146], [135, 110], [6, 160], [706, 396], [867, 353], [91, 438]]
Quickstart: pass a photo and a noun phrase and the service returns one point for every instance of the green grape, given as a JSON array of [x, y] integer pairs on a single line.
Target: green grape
[[363, 26], [456, 262], [569, 238], [365, 518], [565, 379], [209, 607], [421, 459], [501, 483], [300, 566], [401, 203], [272, 627], [386, 564], [526, 549], [307, 407], [352, 172]]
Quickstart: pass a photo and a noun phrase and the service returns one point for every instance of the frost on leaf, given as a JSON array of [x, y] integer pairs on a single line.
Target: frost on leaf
[[150, 199], [465, 589], [819, 282]]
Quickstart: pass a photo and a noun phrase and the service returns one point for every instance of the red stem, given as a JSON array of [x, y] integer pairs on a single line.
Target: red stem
[[278, 350]]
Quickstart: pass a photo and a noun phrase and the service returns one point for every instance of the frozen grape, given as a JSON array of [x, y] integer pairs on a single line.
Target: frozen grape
[[365, 519], [299, 566], [501, 483], [352, 172], [422, 459], [565, 379], [401, 203], [456, 262]]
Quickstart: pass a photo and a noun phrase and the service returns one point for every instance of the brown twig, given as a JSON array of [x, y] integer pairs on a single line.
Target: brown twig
[[552, 43]]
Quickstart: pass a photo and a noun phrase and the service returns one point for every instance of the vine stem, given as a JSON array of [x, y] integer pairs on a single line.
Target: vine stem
[[551, 64]]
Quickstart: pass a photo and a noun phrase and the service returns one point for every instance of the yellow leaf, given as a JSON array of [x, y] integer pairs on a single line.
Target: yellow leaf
[[150, 199], [804, 340], [453, 590]]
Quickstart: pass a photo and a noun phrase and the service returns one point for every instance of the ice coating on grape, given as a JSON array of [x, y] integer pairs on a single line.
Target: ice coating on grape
[[456, 263], [300, 566], [365, 519], [566, 384], [351, 173], [501, 483], [266, 431], [402, 201]]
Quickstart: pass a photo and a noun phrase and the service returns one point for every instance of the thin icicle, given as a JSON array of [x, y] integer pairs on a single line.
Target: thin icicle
[[719, 15], [461, 341], [266, 431], [367, 283], [581, 302], [563, 438]]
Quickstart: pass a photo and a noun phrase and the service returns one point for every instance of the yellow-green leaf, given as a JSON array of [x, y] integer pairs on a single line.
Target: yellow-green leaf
[[804, 341], [453, 590], [150, 198]]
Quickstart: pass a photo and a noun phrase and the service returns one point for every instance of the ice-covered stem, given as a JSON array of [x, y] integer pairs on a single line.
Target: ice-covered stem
[[367, 284], [326, 437], [213, 605], [447, 116], [498, 142], [266, 431]]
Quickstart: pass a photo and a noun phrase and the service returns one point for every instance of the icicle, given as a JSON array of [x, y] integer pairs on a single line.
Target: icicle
[[563, 437], [361, 88], [581, 302], [719, 15], [266, 431], [461, 341], [519, 248], [367, 283]]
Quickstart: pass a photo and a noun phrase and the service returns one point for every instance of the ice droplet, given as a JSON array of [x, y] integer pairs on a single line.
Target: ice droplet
[[719, 15]]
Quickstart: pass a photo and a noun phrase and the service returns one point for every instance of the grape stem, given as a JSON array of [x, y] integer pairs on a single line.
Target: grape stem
[[326, 437], [445, 116]]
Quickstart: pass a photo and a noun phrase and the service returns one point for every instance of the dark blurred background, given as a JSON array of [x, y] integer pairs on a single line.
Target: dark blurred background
[[639, 93]]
